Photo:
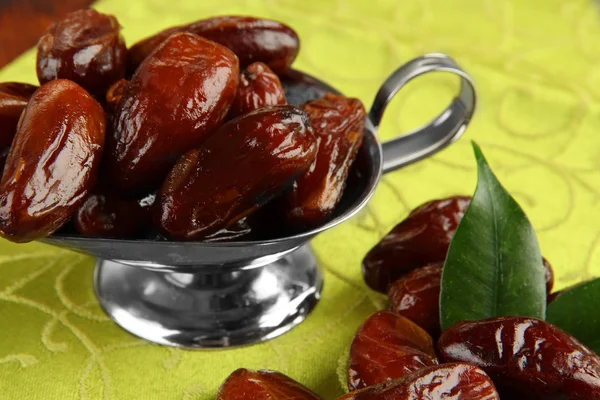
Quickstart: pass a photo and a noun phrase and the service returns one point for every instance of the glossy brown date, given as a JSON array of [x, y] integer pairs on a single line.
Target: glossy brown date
[[13, 100], [85, 47], [416, 296], [387, 346], [3, 157], [526, 356], [247, 162], [239, 230], [176, 98], [338, 123], [53, 161], [114, 95], [104, 215], [251, 39], [422, 238], [455, 381], [259, 87], [244, 384]]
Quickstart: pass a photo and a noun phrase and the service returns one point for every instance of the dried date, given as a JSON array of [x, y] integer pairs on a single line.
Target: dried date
[[251, 39], [86, 47], [259, 87], [240, 230], [3, 157], [244, 384], [422, 238], [526, 356], [179, 95], [115, 94], [13, 100], [416, 296], [53, 161], [447, 381], [105, 215], [264, 152], [338, 123], [387, 346]]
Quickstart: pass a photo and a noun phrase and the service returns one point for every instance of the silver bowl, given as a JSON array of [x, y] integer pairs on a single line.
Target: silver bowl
[[207, 295]]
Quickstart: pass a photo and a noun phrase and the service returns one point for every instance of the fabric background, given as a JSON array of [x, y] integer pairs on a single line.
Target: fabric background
[[536, 66]]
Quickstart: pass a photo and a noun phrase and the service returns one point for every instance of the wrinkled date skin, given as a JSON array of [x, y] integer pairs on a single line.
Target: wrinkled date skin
[[85, 47], [111, 103], [103, 215], [338, 123], [179, 95], [240, 230], [422, 238], [455, 381], [416, 296], [13, 100], [247, 162], [244, 384], [525, 355], [251, 39], [115, 94], [259, 87], [385, 347], [53, 161]]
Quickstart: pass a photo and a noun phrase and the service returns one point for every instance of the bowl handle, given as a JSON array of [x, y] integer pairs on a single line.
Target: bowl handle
[[439, 133]]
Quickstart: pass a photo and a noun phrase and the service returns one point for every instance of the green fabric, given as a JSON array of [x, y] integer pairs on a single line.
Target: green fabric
[[535, 63]]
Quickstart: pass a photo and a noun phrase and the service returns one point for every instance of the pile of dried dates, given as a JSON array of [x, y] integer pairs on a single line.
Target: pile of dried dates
[[402, 353], [184, 135]]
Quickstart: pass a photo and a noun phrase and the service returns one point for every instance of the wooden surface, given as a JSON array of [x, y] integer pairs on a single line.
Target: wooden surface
[[22, 22]]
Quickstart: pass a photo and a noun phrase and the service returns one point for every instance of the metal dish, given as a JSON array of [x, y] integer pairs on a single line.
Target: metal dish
[[207, 295]]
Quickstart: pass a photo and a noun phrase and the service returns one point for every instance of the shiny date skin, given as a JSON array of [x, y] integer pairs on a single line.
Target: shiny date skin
[[447, 381], [263, 152], [85, 47], [387, 346], [422, 238], [240, 230], [104, 215], [244, 384], [338, 123], [251, 39], [3, 157], [416, 296], [114, 95], [13, 100], [526, 356], [53, 161], [179, 95], [259, 87]]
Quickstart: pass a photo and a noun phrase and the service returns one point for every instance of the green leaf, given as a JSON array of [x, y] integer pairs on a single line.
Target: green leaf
[[493, 267], [576, 312]]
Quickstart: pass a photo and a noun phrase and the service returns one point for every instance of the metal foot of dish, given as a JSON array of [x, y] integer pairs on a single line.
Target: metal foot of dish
[[200, 310]]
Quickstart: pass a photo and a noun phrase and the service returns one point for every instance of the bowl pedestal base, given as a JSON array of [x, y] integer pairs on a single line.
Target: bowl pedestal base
[[231, 307]]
